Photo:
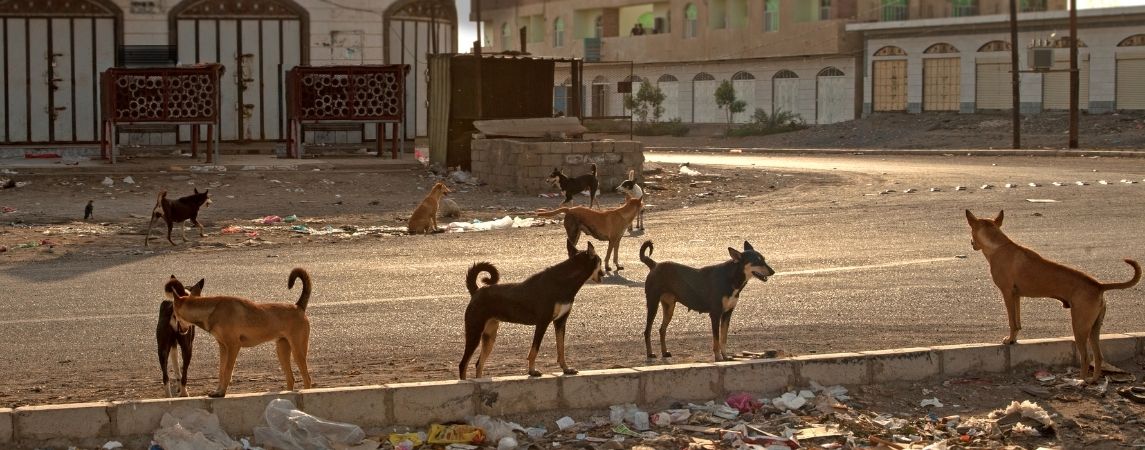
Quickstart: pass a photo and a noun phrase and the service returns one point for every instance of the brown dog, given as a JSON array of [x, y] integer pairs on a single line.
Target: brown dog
[[424, 218], [607, 225], [237, 322], [178, 211], [1020, 272]]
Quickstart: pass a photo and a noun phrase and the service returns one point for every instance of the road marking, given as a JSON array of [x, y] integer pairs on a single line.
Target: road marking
[[864, 267]]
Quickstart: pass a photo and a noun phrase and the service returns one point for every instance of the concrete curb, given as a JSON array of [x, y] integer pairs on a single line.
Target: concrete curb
[[907, 152], [418, 404]]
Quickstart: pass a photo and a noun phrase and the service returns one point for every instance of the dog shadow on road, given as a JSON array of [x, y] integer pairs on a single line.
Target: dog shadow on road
[[616, 279]]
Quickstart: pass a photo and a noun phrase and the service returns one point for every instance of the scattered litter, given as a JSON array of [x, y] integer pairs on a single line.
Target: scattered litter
[[1081, 183], [910, 191], [107, 181], [455, 434], [685, 170], [1102, 182], [463, 177], [128, 180], [549, 195], [499, 224], [565, 422], [960, 188], [1058, 183], [291, 218], [288, 428], [268, 220], [987, 186], [110, 445], [1044, 376], [1034, 185], [185, 428], [931, 402], [1041, 200], [934, 189]]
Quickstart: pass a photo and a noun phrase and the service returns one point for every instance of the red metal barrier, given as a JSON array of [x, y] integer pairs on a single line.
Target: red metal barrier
[[172, 95], [362, 94]]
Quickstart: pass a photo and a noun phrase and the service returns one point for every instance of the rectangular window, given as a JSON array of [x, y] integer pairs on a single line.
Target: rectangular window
[[559, 38], [771, 15], [824, 9], [1033, 5], [893, 10], [965, 8]]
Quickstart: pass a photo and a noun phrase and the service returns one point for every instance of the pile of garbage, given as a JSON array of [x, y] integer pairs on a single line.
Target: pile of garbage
[[815, 417]]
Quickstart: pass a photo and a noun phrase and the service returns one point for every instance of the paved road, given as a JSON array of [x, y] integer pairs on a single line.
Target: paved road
[[858, 270]]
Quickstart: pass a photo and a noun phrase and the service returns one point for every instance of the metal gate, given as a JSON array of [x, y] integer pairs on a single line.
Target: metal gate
[[704, 109], [941, 84], [1131, 83], [671, 90], [993, 86], [1055, 86], [51, 54], [785, 92], [414, 29], [257, 42], [832, 104], [889, 90], [744, 85]]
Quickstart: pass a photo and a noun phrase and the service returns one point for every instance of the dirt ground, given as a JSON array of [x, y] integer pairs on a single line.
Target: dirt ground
[[41, 220]]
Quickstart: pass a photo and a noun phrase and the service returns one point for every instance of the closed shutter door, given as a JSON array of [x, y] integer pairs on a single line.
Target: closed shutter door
[[890, 85], [941, 84], [832, 103], [1131, 83], [994, 87], [745, 90], [704, 102], [671, 90], [786, 95], [1055, 87]]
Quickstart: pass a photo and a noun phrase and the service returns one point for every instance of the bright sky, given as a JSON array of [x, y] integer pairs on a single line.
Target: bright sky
[[467, 31]]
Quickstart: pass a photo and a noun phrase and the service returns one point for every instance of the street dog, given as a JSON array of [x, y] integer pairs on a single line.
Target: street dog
[[607, 225], [543, 298], [170, 334], [424, 218], [632, 189], [572, 186], [237, 322], [1020, 272], [178, 211], [713, 290]]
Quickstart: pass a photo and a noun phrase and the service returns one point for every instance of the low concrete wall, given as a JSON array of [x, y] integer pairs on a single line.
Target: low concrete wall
[[523, 166], [418, 404]]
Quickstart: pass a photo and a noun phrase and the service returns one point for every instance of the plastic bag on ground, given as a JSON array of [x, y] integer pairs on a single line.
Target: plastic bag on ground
[[193, 429], [496, 429], [291, 429], [499, 224]]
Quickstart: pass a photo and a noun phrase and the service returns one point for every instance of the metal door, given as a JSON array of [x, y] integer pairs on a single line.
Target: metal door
[[832, 104], [993, 87], [1131, 83], [745, 90], [785, 95], [671, 104], [889, 85], [1055, 86], [51, 63], [704, 109], [941, 84], [414, 29]]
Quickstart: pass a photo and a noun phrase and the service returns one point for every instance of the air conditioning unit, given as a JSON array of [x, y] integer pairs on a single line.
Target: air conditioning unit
[[1041, 58]]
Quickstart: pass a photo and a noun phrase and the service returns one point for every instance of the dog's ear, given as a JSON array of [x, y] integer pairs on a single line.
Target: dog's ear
[[970, 217], [735, 254], [998, 220], [747, 247], [198, 287], [591, 250], [196, 190]]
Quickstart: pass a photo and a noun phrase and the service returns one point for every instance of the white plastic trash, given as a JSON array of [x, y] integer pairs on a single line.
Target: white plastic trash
[[107, 181], [193, 429], [565, 422], [291, 429], [640, 421], [507, 443]]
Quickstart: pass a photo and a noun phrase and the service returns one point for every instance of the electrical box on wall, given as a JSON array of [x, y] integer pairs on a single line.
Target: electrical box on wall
[[1041, 58]]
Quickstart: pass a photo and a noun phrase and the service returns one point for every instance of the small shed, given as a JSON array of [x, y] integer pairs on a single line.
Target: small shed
[[505, 87]]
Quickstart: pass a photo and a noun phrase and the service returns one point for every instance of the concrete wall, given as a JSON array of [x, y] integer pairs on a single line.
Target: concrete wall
[[377, 408], [524, 166]]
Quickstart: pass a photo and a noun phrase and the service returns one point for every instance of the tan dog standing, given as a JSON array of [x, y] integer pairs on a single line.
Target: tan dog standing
[[424, 218], [237, 322], [607, 225], [1020, 272]]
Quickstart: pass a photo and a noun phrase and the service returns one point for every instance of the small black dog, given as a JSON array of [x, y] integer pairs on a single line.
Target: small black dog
[[572, 186], [178, 211], [543, 298], [171, 333], [89, 211], [712, 289]]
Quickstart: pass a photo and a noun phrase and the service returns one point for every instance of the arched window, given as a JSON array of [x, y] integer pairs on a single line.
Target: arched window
[[691, 21], [703, 76], [600, 79], [941, 47], [559, 32], [830, 72], [567, 81], [1137, 40], [666, 79], [634, 79], [890, 50], [741, 75], [785, 74], [506, 37], [995, 46]]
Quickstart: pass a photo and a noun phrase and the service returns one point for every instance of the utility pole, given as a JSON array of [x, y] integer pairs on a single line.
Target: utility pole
[[1074, 76], [1014, 75], [477, 62]]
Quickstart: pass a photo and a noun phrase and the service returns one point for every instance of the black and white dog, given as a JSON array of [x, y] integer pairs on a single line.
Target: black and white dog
[[632, 189], [171, 334], [572, 186]]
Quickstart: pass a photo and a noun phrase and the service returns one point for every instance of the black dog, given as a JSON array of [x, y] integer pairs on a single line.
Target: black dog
[[571, 186], [170, 333], [544, 298], [713, 290], [178, 211]]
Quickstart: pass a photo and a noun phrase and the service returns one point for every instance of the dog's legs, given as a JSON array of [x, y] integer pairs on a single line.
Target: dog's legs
[[147, 237], [228, 355], [1084, 320], [472, 338], [1095, 342], [559, 330], [183, 229], [170, 225], [282, 347], [186, 353], [669, 303], [164, 357], [652, 304], [195, 221], [488, 338], [716, 350], [725, 322], [1013, 314], [614, 247], [538, 336], [300, 347]]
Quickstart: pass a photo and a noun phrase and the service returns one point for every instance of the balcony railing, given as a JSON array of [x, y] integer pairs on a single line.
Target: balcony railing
[[894, 12], [965, 10]]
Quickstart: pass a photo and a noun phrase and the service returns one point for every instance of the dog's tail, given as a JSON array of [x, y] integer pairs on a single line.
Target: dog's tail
[[647, 258], [159, 200], [543, 213], [295, 274], [1127, 284], [593, 166], [471, 276]]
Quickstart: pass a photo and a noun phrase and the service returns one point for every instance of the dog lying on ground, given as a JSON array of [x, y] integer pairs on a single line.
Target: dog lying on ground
[[543, 298], [171, 334], [424, 218], [237, 322], [632, 189], [178, 211], [607, 225], [712, 289], [1020, 272], [572, 186]]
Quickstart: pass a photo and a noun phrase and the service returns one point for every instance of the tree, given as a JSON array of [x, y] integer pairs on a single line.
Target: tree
[[726, 99], [647, 101]]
